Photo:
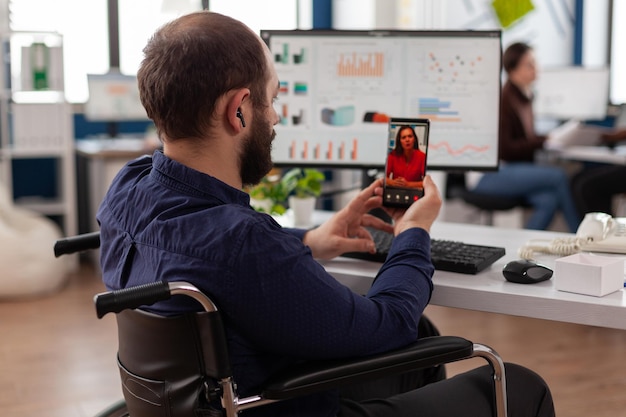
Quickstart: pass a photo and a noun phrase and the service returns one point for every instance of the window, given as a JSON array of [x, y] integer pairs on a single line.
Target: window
[[139, 19], [84, 26], [85, 39], [272, 14]]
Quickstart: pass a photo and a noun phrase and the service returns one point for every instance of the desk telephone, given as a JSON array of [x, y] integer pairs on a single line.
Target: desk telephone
[[603, 232], [598, 232]]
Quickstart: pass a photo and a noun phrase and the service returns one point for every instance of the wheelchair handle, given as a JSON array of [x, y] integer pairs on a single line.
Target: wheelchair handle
[[147, 294], [132, 297], [77, 243]]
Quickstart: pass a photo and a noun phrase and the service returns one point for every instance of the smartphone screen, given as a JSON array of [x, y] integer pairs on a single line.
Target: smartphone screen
[[405, 166]]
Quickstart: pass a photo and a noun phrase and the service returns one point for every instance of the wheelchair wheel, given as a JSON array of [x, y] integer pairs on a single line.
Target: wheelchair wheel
[[118, 409]]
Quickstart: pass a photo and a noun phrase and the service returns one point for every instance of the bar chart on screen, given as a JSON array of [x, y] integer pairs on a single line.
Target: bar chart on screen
[[437, 110], [369, 64], [356, 68], [324, 151]]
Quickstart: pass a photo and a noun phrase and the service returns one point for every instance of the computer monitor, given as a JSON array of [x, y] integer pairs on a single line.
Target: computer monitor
[[113, 98], [572, 93], [338, 89]]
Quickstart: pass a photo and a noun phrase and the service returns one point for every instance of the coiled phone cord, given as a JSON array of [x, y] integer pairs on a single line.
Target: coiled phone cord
[[559, 246]]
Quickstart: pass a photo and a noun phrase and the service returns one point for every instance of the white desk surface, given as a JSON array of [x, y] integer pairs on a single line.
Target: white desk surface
[[125, 147], [603, 154], [489, 291]]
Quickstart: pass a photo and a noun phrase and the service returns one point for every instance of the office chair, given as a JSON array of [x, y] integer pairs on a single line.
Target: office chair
[[179, 366], [620, 118], [486, 204]]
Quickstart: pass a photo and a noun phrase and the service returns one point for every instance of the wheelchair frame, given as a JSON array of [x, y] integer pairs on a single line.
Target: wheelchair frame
[[294, 383]]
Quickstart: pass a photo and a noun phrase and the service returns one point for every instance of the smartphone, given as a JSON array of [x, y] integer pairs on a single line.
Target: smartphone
[[405, 166]]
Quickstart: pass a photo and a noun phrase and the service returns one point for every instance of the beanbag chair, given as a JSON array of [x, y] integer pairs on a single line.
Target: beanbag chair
[[27, 263]]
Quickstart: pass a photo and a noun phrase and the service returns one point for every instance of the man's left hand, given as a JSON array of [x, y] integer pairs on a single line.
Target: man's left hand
[[345, 231]]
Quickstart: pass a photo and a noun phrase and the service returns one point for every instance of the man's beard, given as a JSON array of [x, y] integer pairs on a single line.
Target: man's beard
[[256, 156]]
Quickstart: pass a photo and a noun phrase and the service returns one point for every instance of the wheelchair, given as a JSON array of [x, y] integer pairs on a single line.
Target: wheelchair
[[179, 366]]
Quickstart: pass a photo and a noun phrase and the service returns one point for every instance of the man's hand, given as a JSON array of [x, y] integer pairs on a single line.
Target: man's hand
[[421, 213], [345, 231], [613, 137]]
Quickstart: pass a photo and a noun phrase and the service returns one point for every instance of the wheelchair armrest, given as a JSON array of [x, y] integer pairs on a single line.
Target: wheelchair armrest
[[314, 376]]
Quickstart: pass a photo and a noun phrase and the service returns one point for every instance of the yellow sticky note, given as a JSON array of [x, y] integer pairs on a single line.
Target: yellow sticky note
[[509, 11]]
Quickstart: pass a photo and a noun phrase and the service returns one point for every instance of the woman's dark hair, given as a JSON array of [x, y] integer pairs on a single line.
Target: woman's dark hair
[[398, 148], [513, 54], [190, 63]]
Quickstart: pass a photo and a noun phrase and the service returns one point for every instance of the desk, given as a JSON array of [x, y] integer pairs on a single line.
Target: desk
[[99, 162], [489, 291], [602, 154]]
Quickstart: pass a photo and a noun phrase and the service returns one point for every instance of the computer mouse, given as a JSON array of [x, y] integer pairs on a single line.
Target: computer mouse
[[523, 271]]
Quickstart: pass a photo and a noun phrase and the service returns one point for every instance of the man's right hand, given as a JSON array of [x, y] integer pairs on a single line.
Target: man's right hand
[[421, 213]]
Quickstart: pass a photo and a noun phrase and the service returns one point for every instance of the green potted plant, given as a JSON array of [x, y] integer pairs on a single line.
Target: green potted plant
[[303, 187], [269, 196]]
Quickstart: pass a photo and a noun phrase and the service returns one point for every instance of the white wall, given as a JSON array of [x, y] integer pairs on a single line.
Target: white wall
[[4, 16], [388, 14], [549, 28], [618, 58], [595, 34], [354, 14]]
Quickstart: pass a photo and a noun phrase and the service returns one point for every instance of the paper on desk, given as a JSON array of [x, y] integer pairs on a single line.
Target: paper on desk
[[573, 133]]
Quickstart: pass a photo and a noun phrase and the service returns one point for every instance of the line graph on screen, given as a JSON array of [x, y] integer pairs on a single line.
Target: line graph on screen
[[441, 151]]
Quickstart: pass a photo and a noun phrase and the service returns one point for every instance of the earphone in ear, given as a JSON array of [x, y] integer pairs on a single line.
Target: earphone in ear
[[240, 116]]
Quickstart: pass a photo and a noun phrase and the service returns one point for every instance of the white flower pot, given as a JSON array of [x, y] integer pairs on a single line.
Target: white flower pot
[[302, 211]]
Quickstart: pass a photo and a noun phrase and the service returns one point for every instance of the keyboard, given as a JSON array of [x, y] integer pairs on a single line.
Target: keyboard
[[446, 255]]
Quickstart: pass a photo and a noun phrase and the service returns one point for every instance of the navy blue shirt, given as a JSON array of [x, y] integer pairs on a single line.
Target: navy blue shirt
[[163, 220]]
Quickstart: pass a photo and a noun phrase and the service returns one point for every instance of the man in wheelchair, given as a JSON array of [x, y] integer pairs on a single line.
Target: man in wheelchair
[[208, 83]]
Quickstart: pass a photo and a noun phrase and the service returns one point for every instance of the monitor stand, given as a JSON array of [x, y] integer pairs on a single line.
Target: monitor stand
[[112, 130], [369, 175]]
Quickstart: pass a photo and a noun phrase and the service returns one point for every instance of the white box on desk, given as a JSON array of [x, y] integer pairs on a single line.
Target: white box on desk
[[585, 273]]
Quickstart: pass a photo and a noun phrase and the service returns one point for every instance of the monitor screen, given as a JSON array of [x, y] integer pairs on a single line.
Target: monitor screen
[[113, 97], [339, 88], [572, 93]]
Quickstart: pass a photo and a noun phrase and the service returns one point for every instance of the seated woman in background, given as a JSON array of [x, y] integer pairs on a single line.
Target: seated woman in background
[[406, 163], [545, 188]]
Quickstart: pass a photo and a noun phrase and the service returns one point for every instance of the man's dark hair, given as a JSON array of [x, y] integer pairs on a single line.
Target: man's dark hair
[[513, 55], [398, 148], [190, 63]]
